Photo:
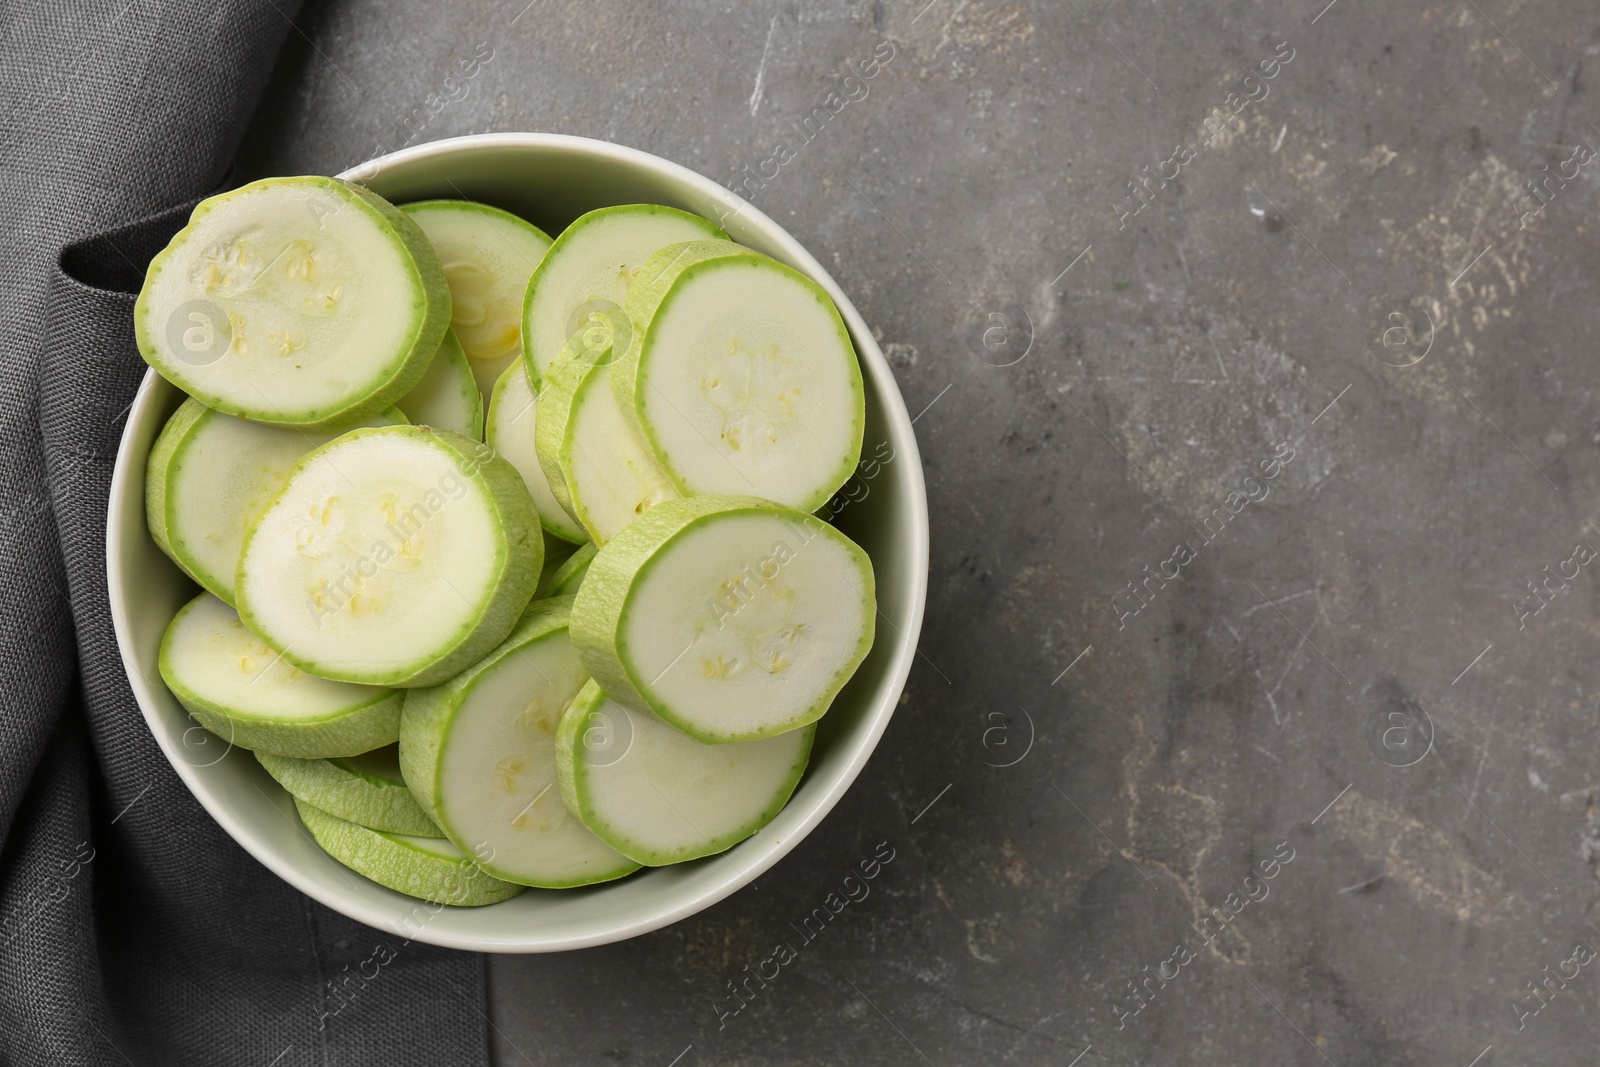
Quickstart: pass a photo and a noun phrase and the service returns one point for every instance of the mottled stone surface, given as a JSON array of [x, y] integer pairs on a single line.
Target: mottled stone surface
[[1257, 306]]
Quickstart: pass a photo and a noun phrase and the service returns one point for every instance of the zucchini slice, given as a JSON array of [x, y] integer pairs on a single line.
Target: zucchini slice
[[732, 618], [487, 256], [513, 419], [584, 277], [594, 462], [210, 474], [659, 796], [395, 556], [447, 398], [569, 576], [429, 868], [303, 301], [247, 694], [367, 790], [480, 753], [740, 376]]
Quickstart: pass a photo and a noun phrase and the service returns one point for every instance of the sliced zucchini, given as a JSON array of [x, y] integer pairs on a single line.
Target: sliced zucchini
[[395, 556], [732, 618], [479, 753], [740, 376], [304, 301], [367, 790], [429, 868], [586, 273], [209, 475], [447, 398], [513, 417], [245, 693], [569, 576], [487, 255], [555, 554], [595, 464], [659, 796]]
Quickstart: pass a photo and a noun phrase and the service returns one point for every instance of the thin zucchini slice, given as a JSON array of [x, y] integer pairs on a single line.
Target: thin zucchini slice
[[594, 462], [586, 273], [429, 868], [740, 376], [244, 692], [303, 301], [513, 418], [447, 398], [480, 753], [569, 576], [367, 790], [394, 556], [732, 618], [210, 474], [659, 796], [487, 256]]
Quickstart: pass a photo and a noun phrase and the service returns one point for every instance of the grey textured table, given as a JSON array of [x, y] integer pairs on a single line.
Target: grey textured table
[[1247, 481]]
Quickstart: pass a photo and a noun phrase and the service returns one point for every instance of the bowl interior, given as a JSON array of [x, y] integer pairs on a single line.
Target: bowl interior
[[549, 180]]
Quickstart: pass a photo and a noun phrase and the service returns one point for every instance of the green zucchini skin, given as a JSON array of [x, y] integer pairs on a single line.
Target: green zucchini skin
[[348, 789], [416, 867], [569, 576]]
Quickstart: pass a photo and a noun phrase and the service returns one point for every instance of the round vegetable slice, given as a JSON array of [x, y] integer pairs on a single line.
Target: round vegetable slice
[[447, 398], [513, 417], [487, 255], [394, 556], [244, 692], [429, 868], [740, 376], [210, 474], [367, 790], [732, 618], [306, 301], [585, 446], [587, 271], [659, 796], [480, 753], [569, 576]]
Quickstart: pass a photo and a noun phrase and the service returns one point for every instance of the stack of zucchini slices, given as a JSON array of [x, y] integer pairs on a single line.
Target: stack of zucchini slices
[[510, 573]]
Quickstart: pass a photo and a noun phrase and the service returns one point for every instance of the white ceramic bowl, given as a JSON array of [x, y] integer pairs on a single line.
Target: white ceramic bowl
[[549, 180]]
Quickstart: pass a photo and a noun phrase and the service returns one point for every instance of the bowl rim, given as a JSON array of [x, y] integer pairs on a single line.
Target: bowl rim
[[859, 745]]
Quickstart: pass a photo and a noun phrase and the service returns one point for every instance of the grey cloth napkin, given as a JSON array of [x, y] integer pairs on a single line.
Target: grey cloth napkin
[[132, 929]]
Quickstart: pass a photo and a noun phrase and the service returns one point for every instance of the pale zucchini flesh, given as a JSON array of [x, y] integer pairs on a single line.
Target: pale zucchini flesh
[[210, 474], [480, 752], [366, 789], [659, 796], [304, 301], [584, 278], [447, 397], [740, 376], [487, 256], [394, 556], [429, 868], [513, 422], [732, 618], [608, 475], [243, 691]]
